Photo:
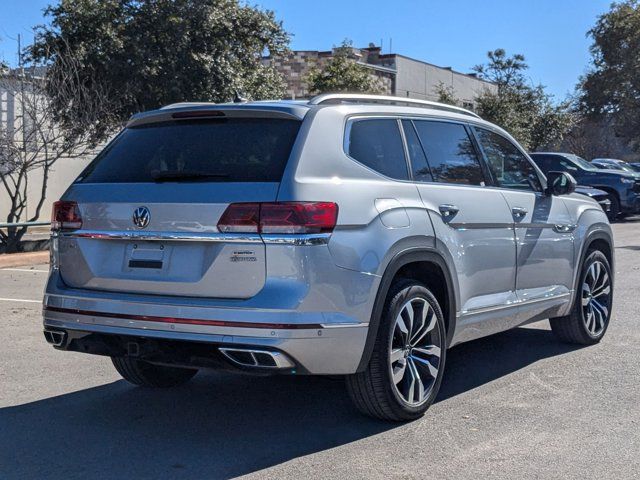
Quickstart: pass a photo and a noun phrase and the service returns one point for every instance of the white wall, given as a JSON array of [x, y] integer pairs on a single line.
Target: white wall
[[63, 172]]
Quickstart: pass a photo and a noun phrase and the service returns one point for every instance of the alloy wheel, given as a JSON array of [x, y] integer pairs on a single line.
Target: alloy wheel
[[414, 356], [596, 298]]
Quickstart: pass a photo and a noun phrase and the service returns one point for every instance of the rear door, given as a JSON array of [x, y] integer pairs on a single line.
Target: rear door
[[543, 226], [151, 201], [471, 221]]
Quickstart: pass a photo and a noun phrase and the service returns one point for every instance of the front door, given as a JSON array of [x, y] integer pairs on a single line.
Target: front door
[[543, 228]]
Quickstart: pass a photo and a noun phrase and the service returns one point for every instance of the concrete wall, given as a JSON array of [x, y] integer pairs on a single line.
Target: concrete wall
[[61, 175], [418, 79]]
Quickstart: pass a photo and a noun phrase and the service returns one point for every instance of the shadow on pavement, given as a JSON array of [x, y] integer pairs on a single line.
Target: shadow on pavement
[[220, 425]]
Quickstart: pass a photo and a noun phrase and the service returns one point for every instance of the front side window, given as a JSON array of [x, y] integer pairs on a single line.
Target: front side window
[[509, 166], [377, 144], [450, 152]]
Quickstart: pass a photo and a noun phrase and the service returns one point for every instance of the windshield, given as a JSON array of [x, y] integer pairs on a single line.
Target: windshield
[[216, 150], [582, 163]]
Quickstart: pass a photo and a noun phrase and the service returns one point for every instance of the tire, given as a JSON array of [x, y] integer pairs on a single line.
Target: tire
[[614, 210], [421, 350], [146, 374], [589, 318]]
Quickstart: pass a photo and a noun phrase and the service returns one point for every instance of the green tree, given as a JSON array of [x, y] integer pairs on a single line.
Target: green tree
[[342, 74], [525, 111], [446, 94], [611, 89], [155, 52]]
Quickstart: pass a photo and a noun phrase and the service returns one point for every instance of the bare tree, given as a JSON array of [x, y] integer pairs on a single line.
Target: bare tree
[[35, 140]]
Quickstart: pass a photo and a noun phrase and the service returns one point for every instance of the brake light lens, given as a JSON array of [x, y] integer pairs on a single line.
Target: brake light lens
[[65, 216], [240, 218], [280, 217]]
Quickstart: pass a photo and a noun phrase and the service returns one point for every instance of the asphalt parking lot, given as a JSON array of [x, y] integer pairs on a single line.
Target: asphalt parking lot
[[515, 405]]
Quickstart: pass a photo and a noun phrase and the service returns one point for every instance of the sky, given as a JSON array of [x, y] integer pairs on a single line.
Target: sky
[[457, 33]]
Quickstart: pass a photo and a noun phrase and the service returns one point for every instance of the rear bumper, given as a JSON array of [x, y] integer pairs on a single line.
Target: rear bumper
[[317, 342]]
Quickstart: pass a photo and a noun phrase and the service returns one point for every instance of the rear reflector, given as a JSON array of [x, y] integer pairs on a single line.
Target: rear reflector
[[280, 217], [65, 216]]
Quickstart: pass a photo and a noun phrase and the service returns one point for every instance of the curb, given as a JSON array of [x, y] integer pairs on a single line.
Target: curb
[[23, 259]]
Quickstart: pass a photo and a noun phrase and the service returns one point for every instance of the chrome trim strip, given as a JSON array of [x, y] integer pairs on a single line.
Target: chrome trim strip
[[298, 240], [280, 239], [516, 303], [163, 236], [560, 228]]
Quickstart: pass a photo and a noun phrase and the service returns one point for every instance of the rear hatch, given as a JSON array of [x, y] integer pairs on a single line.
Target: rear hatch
[[149, 206]]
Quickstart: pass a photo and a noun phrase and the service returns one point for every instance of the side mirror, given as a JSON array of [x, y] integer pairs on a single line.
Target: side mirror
[[560, 183]]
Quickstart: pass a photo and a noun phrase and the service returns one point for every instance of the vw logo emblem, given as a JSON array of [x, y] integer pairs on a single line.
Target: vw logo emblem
[[141, 217]]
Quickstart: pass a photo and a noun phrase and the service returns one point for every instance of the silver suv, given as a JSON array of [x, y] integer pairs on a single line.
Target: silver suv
[[345, 235]]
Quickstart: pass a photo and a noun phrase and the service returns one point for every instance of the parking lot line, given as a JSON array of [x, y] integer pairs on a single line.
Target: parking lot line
[[23, 270], [19, 300]]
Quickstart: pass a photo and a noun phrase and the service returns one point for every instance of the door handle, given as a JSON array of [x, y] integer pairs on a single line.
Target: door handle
[[448, 210], [519, 212]]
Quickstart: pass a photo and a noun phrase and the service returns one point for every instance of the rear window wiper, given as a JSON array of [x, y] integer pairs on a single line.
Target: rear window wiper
[[168, 175]]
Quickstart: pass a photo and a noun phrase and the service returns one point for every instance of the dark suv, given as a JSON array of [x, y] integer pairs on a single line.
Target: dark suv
[[623, 187]]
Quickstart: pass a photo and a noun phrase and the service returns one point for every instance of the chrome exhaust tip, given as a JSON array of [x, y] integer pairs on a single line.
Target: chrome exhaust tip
[[55, 337], [248, 357]]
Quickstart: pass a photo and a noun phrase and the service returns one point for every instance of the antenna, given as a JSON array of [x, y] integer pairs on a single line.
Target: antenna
[[390, 45]]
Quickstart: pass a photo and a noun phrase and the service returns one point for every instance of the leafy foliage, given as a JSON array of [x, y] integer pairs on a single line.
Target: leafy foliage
[[446, 94], [34, 141], [611, 90], [342, 74], [525, 111], [155, 52]]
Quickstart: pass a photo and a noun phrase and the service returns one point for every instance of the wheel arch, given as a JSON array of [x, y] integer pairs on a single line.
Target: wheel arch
[[425, 265], [597, 239]]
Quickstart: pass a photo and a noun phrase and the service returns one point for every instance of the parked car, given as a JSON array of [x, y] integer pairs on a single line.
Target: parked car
[[347, 235], [599, 196], [613, 164], [635, 166], [623, 187]]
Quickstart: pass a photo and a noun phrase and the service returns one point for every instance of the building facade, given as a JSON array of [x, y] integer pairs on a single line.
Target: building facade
[[397, 74]]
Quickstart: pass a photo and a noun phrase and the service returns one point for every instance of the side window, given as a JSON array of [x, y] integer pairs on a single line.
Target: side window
[[509, 166], [450, 152], [377, 144], [419, 165], [564, 165]]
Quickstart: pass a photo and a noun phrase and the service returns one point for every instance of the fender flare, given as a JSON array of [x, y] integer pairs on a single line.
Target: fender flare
[[397, 262], [597, 234]]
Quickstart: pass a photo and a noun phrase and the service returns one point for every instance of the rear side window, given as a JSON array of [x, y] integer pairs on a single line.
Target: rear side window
[[508, 165], [229, 149], [450, 152], [419, 164], [548, 163], [377, 144]]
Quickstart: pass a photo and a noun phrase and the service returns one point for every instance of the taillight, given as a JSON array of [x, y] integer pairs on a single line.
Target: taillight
[[280, 217], [65, 216], [240, 217]]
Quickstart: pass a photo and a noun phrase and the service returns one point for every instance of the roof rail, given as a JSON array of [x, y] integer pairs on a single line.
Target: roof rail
[[338, 98]]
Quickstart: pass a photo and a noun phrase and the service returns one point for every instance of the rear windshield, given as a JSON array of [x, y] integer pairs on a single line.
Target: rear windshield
[[223, 150]]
